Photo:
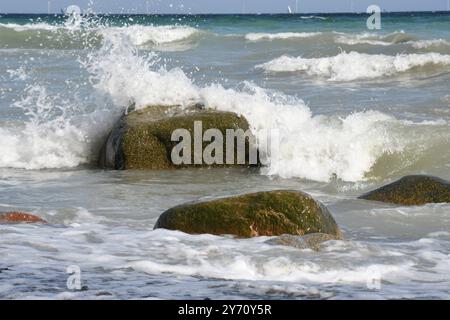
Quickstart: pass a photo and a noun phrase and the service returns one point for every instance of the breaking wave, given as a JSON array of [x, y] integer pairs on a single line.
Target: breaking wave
[[312, 146], [355, 66], [78, 35], [280, 36], [374, 39], [48, 139], [433, 43]]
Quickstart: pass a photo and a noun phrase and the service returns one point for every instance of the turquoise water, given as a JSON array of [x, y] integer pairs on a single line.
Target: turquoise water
[[356, 109]]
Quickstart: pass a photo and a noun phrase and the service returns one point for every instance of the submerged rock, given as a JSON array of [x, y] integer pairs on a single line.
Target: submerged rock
[[412, 190], [269, 213], [19, 217], [142, 138], [310, 241]]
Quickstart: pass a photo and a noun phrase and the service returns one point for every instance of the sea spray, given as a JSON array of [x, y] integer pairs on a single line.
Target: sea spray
[[55, 129], [118, 71], [47, 139], [312, 147]]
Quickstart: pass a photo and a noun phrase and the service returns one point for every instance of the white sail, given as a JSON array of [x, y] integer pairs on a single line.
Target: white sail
[[289, 9]]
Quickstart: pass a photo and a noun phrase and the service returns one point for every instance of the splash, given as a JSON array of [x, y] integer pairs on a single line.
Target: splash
[[47, 140], [120, 73], [312, 146]]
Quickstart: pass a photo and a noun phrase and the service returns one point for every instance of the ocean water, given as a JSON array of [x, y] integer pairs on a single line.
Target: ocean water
[[355, 108]]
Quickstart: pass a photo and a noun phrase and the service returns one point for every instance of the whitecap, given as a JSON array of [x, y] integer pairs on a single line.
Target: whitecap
[[355, 66]]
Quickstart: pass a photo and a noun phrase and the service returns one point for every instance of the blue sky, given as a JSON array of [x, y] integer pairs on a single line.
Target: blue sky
[[220, 6]]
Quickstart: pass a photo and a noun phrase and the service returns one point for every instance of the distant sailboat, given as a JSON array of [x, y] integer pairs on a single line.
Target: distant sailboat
[[289, 10]]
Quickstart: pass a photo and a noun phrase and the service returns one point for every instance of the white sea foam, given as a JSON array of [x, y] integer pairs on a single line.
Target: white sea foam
[[313, 17], [29, 26], [120, 73], [19, 73], [140, 35], [126, 256], [354, 66], [425, 44], [373, 38], [276, 269], [281, 35], [45, 140]]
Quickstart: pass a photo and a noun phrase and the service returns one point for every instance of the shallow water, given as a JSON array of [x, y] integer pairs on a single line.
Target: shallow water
[[103, 221], [349, 122]]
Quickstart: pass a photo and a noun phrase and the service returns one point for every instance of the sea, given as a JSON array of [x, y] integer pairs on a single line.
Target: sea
[[355, 109]]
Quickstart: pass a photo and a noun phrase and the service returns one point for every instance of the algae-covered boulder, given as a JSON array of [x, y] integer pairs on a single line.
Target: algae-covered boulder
[[142, 139], [269, 213], [312, 241], [412, 190]]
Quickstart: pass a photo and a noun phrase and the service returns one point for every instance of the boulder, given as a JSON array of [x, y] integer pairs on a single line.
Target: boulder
[[269, 213], [412, 190], [142, 138], [19, 217], [312, 241]]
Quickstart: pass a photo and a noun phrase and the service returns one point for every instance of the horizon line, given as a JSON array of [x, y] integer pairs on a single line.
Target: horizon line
[[240, 14]]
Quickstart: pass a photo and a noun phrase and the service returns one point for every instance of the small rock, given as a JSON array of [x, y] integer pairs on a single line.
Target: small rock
[[19, 217], [269, 213], [412, 191]]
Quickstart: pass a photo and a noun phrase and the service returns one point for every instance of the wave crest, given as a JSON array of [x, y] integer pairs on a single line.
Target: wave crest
[[280, 36], [89, 35], [433, 43], [355, 66], [375, 39]]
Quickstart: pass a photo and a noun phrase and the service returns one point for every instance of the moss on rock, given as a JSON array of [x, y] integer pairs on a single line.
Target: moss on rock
[[258, 214], [412, 190], [142, 139]]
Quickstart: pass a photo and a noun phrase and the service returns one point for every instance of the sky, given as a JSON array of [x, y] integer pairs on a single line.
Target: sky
[[220, 6]]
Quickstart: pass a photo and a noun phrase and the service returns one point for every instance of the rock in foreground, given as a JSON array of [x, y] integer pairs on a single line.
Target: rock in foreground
[[270, 213], [19, 217], [143, 138], [412, 190]]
